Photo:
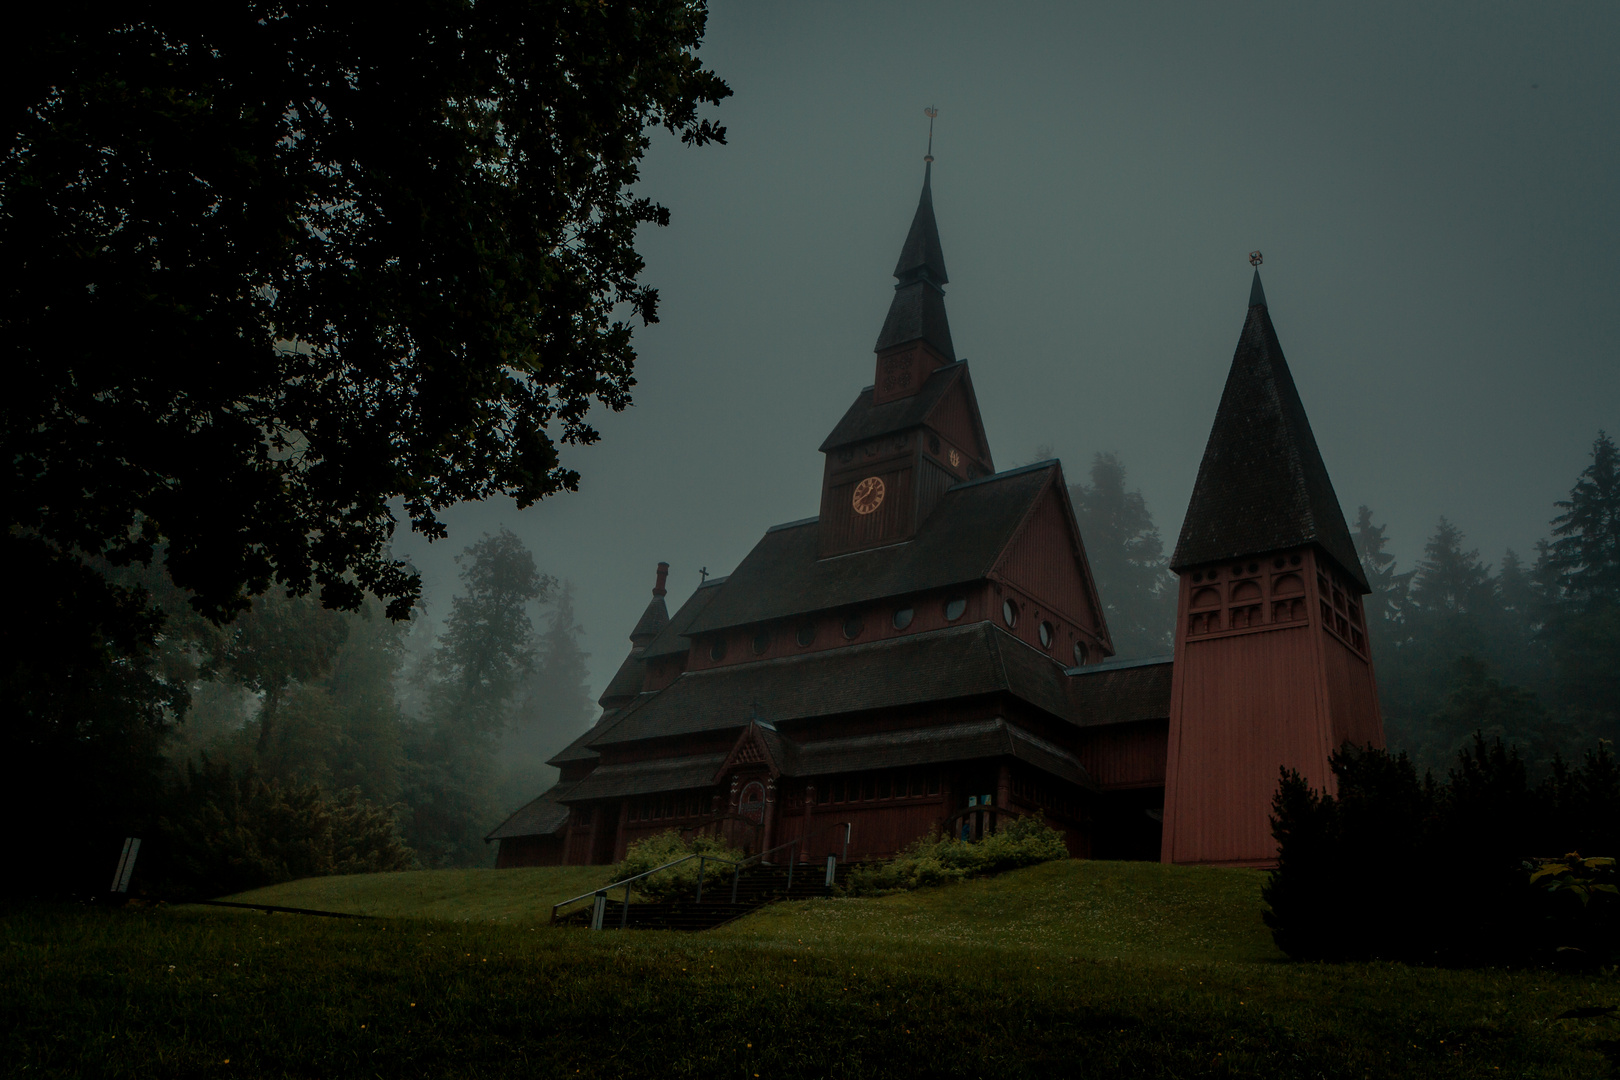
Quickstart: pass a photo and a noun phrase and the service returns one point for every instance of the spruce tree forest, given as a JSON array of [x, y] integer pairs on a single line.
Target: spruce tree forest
[[1525, 651]]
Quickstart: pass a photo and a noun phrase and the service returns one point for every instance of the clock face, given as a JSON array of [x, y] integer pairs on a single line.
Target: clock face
[[868, 495]]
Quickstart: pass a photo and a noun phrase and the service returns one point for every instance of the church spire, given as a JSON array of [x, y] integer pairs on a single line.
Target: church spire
[[916, 336], [1262, 485]]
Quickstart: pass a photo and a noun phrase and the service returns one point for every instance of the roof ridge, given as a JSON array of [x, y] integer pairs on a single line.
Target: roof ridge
[[793, 524], [1006, 474], [1119, 665], [841, 650]]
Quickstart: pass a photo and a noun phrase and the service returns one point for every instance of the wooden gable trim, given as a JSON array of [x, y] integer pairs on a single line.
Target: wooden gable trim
[[962, 384], [1077, 549], [749, 749]]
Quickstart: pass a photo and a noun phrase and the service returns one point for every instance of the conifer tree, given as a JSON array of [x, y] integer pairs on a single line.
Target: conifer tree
[[1585, 558], [1127, 560], [1386, 604], [555, 706]]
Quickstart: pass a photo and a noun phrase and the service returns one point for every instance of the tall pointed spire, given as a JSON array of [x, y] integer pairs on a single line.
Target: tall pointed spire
[[1262, 485], [917, 312]]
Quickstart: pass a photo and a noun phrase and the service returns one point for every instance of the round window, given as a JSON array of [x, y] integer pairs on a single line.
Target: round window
[[807, 634], [903, 617], [1009, 613], [954, 607], [717, 649], [853, 626], [762, 641], [1081, 654], [1048, 632]]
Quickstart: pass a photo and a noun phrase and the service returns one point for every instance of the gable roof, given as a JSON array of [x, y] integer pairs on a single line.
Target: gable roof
[[958, 543], [672, 640], [541, 816], [937, 665], [1262, 485]]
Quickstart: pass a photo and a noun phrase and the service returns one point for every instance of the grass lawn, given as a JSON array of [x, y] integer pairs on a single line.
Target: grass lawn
[[1068, 969]]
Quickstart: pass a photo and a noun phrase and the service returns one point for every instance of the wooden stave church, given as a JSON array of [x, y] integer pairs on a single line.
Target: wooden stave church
[[929, 652]]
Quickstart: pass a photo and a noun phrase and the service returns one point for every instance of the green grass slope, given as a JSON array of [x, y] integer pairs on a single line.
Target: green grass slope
[[1071, 969], [522, 895]]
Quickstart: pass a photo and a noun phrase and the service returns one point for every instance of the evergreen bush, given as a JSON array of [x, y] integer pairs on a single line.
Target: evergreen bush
[[678, 882], [1399, 868], [936, 860]]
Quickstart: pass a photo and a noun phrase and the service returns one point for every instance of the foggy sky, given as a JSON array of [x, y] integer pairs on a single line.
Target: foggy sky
[[1434, 190]]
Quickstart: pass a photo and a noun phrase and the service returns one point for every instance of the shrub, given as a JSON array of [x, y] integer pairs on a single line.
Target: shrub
[[1024, 841], [224, 832], [678, 882], [1418, 870]]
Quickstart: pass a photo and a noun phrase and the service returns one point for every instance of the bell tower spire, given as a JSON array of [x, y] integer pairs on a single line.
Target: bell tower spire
[[916, 336]]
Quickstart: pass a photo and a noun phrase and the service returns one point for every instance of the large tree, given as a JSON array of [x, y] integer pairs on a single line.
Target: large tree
[[1127, 559]]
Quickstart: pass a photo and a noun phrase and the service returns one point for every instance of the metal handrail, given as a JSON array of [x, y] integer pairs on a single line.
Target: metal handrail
[[601, 893]]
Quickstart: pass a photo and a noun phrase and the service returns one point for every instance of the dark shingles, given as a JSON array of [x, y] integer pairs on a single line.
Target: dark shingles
[[647, 777], [959, 543], [1262, 485], [626, 682], [1121, 693], [542, 816], [968, 741], [918, 308], [654, 619], [938, 665], [865, 421], [672, 640]]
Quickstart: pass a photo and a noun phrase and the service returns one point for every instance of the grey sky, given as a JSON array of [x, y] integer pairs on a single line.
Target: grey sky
[[1434, 188]]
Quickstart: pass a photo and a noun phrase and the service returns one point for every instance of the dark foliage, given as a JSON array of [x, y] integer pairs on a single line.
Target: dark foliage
[[222, 832], [1127, 560], [1402, 868], [267, 268]]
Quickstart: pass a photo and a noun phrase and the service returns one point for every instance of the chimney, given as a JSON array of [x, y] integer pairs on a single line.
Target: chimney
[[663, 574]]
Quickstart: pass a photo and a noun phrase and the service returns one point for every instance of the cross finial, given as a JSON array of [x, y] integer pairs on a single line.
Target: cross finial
[[930, 112], [703, 573], [1255, 259]]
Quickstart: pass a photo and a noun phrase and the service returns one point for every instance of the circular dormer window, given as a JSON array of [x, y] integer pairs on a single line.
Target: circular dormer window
[[853, 627], [954, 607], [1081, 654], [903, 617], [1048, 633], [762, 641], [717, 649], [1009, 613], [807, 634]]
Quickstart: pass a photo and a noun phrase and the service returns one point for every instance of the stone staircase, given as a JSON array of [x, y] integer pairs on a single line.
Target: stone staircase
[[757, 886]]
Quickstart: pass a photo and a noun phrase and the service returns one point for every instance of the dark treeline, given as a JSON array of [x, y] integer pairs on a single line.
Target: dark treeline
[[1528, 652]]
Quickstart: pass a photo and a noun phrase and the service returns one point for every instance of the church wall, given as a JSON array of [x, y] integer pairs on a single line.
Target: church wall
[[1044, 566], [954, 419], [529, 851], [1126, 755]]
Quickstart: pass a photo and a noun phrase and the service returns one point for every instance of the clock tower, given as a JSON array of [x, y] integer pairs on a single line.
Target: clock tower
[[916, 430]]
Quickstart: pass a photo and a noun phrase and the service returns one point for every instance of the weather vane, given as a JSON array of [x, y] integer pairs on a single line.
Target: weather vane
[[930, 112], [1255, 259]]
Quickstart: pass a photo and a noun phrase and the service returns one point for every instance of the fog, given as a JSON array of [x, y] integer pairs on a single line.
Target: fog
[[1434, 191]]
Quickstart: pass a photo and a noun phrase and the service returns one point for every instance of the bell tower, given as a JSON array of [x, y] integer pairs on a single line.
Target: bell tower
[[1272, 664], [916, 430]]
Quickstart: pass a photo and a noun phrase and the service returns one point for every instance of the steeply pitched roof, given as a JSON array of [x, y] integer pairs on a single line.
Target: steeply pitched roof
[[1262, 484], [647, 777], [918, 308], [627, 681], [654, 619], [863, 420], [542, 816], [1121, 693], [958, 543], [672, 639], [933, 746], [938, 665]]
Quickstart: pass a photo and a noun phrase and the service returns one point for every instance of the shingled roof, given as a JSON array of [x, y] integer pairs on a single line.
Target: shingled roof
[[542, 816], [1122, 692], [647, 777], [863, 420], [918, 308], [960, 542], [938, 665], [934, 746], [1262, 485], [672, 640]]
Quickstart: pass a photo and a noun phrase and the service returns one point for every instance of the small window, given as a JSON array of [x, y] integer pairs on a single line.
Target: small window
[[717, 649], [807, 634], [762, 641], [903, 617], [1048, 632], [954, 607], [1009, 613], [1081, 654], [853, 627], [883, 786], [933, 783], [869, 787]]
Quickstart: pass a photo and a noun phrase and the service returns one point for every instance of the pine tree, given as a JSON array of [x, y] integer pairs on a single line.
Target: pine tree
[[479, 665], [555, 707], [1585, 557], [1386, 604], [1450, 581], [1127, 560]]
